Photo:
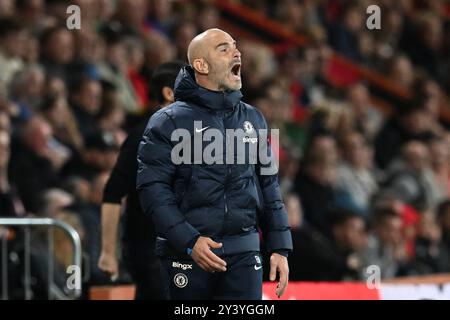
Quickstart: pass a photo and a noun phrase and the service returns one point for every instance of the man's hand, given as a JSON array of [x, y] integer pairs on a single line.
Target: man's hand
[[205, 258], [279, 263], [108, 263]]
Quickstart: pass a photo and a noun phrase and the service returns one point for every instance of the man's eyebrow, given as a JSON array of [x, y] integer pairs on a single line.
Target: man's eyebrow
[[225, 44]]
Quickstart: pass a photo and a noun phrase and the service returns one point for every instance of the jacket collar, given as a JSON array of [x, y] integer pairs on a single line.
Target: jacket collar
[[187, 89]]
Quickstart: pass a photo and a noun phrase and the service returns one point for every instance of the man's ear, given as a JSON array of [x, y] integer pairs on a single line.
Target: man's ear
[[201, 66], [167, 93]]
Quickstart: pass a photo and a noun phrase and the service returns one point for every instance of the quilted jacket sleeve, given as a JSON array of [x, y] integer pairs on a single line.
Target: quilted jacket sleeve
[[154, 183], [273, 217]]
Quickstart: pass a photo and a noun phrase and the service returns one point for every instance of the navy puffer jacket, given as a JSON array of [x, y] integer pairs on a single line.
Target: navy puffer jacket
[[227, 202]]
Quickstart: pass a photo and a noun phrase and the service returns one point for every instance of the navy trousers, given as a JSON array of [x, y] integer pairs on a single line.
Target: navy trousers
[[242, 280], [145, 270]]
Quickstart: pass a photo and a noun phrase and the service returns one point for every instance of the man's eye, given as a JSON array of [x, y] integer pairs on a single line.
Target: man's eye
[[223, 49]]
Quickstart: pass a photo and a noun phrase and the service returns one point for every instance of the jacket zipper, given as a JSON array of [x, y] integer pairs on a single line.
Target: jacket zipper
[[225, 218]]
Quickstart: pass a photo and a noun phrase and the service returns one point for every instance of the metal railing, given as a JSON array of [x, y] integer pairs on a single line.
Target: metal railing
[[27, 223]]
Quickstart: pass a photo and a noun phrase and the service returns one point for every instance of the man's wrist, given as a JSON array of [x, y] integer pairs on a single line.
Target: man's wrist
[[109, 251], [191, 244], [283, 252]]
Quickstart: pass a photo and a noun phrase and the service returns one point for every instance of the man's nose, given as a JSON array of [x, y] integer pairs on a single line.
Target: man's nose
[[237, 53]]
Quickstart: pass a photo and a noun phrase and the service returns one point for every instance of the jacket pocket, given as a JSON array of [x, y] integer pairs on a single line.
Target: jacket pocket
[[189, 187], [248, 220]]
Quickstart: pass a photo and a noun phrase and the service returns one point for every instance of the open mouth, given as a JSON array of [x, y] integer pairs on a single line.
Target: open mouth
[[236, 70]]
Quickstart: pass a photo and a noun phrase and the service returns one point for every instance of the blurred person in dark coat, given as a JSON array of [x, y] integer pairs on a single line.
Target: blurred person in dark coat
[[139, 234], [317, 257], [316, 180], [386, 246], [432, 256], [411, 123], [34, 163]]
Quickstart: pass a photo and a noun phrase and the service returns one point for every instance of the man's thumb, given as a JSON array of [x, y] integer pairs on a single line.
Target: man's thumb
[[214, 244]]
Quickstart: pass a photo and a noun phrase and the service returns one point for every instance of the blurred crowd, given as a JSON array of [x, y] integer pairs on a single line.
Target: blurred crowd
[[361, 188]]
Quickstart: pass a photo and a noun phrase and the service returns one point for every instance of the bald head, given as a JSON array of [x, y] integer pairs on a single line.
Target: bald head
[[216, 60], [198, 47]]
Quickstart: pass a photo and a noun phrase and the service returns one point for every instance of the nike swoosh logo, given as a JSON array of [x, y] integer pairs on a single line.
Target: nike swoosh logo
[[257, 268], [200, 130]]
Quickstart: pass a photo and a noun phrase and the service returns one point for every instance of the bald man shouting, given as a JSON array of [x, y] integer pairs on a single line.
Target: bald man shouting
[[207, 213]]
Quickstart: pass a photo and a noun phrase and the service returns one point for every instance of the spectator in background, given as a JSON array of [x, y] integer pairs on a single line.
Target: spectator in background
[[428, 91], [56, 111], [89, 52], [32, 14], [260, 67], [131, 14], [355, 174], [11, 36], [411, 180], [34, 165], [366, 48], [280, 103], [368, 120], [316, 180], [344, 34], [319, 258], [116, 66], [411, 123], [401, 71], [85, 101], [432, 255], [31, 50], [386, 247], [289, 166], [292, 15], [55, 86], [409, 215], [105, 10], [98, 155], [332, 117], [112, 118], [160, 17], [429, 28], [6, 8], [135, 56], [57, 51], [389, 36], [26, 90]]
